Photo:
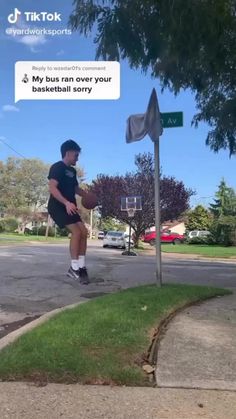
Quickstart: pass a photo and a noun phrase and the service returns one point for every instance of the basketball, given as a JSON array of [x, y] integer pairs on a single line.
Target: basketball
[[89, 201]]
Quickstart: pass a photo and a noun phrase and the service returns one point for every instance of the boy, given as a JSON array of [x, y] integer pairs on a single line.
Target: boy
[[63, 187]]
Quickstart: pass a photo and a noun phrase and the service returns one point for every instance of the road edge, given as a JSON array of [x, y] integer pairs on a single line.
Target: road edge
[[13, 336]]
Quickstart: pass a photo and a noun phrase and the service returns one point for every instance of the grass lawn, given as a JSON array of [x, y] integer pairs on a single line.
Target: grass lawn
[[11, 238], [100, 341], [212, 251]]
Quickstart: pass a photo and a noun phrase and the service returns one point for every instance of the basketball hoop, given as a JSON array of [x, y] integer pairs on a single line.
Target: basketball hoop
[[131, 212], [130, 204]]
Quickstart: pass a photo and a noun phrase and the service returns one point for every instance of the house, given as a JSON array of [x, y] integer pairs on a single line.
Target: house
[[176, 226], [35, 220]]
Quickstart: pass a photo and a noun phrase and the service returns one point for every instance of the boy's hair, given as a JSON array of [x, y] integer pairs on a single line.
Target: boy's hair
[[69, 145]]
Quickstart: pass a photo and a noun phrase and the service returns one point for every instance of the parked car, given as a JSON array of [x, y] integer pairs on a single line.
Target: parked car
[[166, 237], [198, 233], [117, 239], [101, 235]]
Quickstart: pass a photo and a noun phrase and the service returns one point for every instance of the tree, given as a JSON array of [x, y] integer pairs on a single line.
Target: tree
[[110, 189], [186, 44], [225, 201], [24, 184], [110, 223], [224, 230], [24, 189], [224, 212], [198, 219]]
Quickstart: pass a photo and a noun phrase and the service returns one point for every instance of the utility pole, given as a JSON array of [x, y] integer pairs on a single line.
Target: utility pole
[[91, 224]]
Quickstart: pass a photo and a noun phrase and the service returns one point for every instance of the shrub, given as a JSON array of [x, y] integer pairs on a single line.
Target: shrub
[[28, 231], [42, 231], [62, 232], [1, 227], [34, 231], [202, 240], [9, 224]]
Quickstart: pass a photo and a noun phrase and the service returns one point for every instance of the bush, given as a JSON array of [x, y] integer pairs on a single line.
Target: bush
[[202, 240], [34, 231], [42, 231], [1, 227], [9, 225], [62, 232], [28, 231]]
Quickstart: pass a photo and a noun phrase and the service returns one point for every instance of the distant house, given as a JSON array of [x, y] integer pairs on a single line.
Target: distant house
[[176, 226], [38, 219]]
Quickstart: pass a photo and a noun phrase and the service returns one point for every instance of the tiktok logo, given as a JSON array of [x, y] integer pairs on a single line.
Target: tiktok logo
[[12, 18], [35, 16]]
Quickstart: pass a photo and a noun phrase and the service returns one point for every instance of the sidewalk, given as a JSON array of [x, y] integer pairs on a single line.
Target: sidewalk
[[199, 347], [56, 401]]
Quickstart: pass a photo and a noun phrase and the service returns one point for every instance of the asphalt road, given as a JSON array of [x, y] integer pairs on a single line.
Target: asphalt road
[[33, 277]]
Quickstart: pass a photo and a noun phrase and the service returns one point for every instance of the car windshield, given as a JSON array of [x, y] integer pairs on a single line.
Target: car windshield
[[114, 234]]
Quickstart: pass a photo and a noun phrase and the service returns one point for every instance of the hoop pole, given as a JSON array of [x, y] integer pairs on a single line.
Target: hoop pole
[[129, 236]]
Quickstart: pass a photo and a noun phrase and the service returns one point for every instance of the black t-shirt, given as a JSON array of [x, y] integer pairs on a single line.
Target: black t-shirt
[[67, 181]]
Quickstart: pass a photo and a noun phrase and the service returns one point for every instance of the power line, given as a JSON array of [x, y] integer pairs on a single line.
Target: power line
[[19, 154]]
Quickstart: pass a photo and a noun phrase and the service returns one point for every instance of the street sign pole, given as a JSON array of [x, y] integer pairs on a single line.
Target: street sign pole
[[157, 212], [152, 123]]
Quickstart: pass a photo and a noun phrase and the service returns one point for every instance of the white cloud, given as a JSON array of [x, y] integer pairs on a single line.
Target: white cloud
[[30, 40], [10, 108]]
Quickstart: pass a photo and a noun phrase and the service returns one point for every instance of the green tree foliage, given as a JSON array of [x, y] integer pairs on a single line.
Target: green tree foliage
[[224, 230], [224, 212], [23, 184], [198, 219], [110, 223], [186, 44], [24, 188], [225, 201]]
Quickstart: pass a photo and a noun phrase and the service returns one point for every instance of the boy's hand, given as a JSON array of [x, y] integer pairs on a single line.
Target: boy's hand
[[71, 208]]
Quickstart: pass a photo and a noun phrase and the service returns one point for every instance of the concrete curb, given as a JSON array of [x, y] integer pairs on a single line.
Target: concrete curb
[[13, 336]]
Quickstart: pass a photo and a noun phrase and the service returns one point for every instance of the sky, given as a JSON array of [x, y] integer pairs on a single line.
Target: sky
[[36, 129]]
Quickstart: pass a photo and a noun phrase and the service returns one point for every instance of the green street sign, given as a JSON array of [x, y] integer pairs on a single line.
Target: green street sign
[[172, 119]]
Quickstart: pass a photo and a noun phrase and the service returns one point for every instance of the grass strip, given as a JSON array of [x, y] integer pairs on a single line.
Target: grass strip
[[100, 341]]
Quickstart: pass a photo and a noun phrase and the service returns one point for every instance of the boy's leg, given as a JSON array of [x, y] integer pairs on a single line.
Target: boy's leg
[[83, 239], [82, 252], [74, 249]]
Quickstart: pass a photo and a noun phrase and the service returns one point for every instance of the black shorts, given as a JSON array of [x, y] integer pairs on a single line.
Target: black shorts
[[59, 214]]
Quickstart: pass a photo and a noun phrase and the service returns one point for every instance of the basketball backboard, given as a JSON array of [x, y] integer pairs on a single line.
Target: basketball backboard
[[131, 202]]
